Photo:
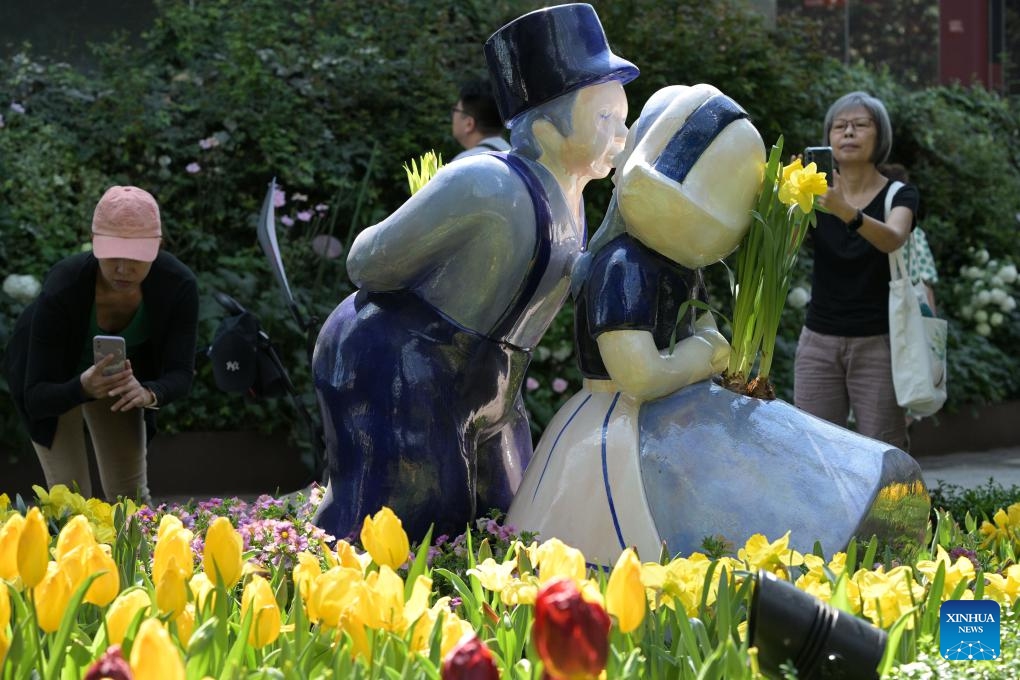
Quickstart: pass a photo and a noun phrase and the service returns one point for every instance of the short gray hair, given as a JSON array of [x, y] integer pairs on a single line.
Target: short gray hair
[[875, 107]]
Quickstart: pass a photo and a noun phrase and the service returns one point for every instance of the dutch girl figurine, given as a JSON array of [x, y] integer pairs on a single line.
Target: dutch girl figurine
[[418, 374]]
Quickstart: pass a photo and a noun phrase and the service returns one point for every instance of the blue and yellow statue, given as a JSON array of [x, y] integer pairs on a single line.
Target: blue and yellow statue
[[419, 373]]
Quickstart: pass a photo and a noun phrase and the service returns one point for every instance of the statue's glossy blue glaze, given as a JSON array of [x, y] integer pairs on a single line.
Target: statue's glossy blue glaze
[[419, 373], [650, 451]]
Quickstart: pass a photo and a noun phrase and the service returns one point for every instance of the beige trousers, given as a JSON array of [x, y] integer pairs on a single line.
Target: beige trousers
[[118, 439]]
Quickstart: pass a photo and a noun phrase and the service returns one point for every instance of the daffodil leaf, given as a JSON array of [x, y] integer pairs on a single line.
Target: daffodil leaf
[[892, 643]]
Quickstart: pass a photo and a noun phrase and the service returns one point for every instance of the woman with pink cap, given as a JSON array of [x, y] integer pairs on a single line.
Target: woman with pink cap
[[125, 287]]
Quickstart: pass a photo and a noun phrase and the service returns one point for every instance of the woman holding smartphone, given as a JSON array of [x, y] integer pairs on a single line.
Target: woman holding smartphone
[[125, 287], [843, 357]]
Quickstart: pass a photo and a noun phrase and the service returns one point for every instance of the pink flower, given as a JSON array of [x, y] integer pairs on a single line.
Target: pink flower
[[559, 385], [279, 198], [287, 221], [531, 384], [193, 167], [304, 215]]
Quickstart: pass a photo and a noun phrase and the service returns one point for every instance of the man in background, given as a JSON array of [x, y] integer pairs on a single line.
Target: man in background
[[475, 120]]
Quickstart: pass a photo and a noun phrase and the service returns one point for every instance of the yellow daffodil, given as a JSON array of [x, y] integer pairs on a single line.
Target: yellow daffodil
[[886, 597], [1004, 589], [259, 602], [33, 549], [305, 572], [10, 535], [1004, 526], [385, 540], [625, 594], [800, 185], [154, 656], [173, 542], [493, 575], [956, 572], [221, 558], [123, 610], [171, 589], [776, 557], [555, 559], [51, 596], [100, 516]]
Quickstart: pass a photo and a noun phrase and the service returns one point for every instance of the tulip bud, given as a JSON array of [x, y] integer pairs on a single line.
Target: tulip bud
[[471, 659], [571, 635], [171, 590], [625, 594], [172, 542], [105, 588], [33, 549], [10, 535], [221, 558], [202, 588], [305, 573], [154, 656], [51, 597], [75, 533], [385, 539], [123, 611], [258, 599], [110, 666], [185, 623]]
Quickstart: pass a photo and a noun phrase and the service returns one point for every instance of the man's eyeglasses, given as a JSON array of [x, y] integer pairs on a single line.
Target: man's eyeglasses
[[841, 124]]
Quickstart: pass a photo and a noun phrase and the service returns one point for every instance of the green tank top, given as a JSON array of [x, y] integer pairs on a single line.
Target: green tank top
[[135, 334]]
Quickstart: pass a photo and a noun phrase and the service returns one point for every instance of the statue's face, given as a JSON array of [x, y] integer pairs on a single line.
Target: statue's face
[[599, 130]]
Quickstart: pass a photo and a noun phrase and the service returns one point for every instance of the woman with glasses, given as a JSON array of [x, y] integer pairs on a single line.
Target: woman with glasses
[[843, 361]]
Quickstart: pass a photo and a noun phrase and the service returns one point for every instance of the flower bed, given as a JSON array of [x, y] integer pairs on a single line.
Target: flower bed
[[226, 588]]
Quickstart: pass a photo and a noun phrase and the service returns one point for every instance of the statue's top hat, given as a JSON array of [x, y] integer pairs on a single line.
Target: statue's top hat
[[547, 53]]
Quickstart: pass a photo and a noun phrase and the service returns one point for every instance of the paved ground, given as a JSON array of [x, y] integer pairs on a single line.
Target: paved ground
[[972, 469]]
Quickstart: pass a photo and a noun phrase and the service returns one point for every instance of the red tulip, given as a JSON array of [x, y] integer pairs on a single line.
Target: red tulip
[[470, 660], [570, 634], [111, 665]]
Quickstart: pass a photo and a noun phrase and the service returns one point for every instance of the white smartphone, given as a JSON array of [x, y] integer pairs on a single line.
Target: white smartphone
[[109, 344]]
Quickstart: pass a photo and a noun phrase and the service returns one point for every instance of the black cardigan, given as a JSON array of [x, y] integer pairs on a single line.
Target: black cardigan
[[46, 345]]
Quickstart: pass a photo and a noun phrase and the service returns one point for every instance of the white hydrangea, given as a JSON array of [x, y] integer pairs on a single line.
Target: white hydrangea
[[1009, 304], [22, 287], [981, 316], [1008, 273], [997, 296], [798, 297], [996, 319], [982, 256], [983, 329]]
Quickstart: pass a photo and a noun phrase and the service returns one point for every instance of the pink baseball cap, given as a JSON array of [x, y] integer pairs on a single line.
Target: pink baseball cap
[[126, 225]]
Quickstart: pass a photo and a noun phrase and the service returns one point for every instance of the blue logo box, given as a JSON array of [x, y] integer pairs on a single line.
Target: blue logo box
[[969, 630]]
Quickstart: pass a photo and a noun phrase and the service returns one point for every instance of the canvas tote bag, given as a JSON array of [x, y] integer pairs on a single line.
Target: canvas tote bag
[[918, 342]]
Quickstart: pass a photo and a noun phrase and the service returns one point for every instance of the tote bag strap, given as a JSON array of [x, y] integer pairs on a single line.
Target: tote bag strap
[[897, 264]]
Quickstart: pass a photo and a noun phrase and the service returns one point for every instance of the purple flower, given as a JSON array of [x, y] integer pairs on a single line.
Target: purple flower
[[193, 167], [559, 385], [287, 221], [279, 198], [1, 120], [305, 215], [301, 198], [531, 384], [209, 142], [17, 108], [321, 207]]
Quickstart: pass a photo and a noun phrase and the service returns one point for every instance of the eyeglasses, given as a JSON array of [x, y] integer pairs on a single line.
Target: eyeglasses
[[462, 112], [841, 124]]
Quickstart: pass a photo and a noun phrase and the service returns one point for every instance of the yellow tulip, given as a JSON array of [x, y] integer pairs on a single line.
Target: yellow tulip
[[168, 523], [493, 575], [5, 618], [185, 623], [426, 622], [332, 594], [258, 599], [76, 532], [123, 611], [382, 607], [202, 588], [33, 549], [385, 539], [625, 595], [10, 535], [105, 588], [305, 572], [221, 558], [154, 656], [347, 556], [171, 589], [173, 542], [51, 596], [454, 628]]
